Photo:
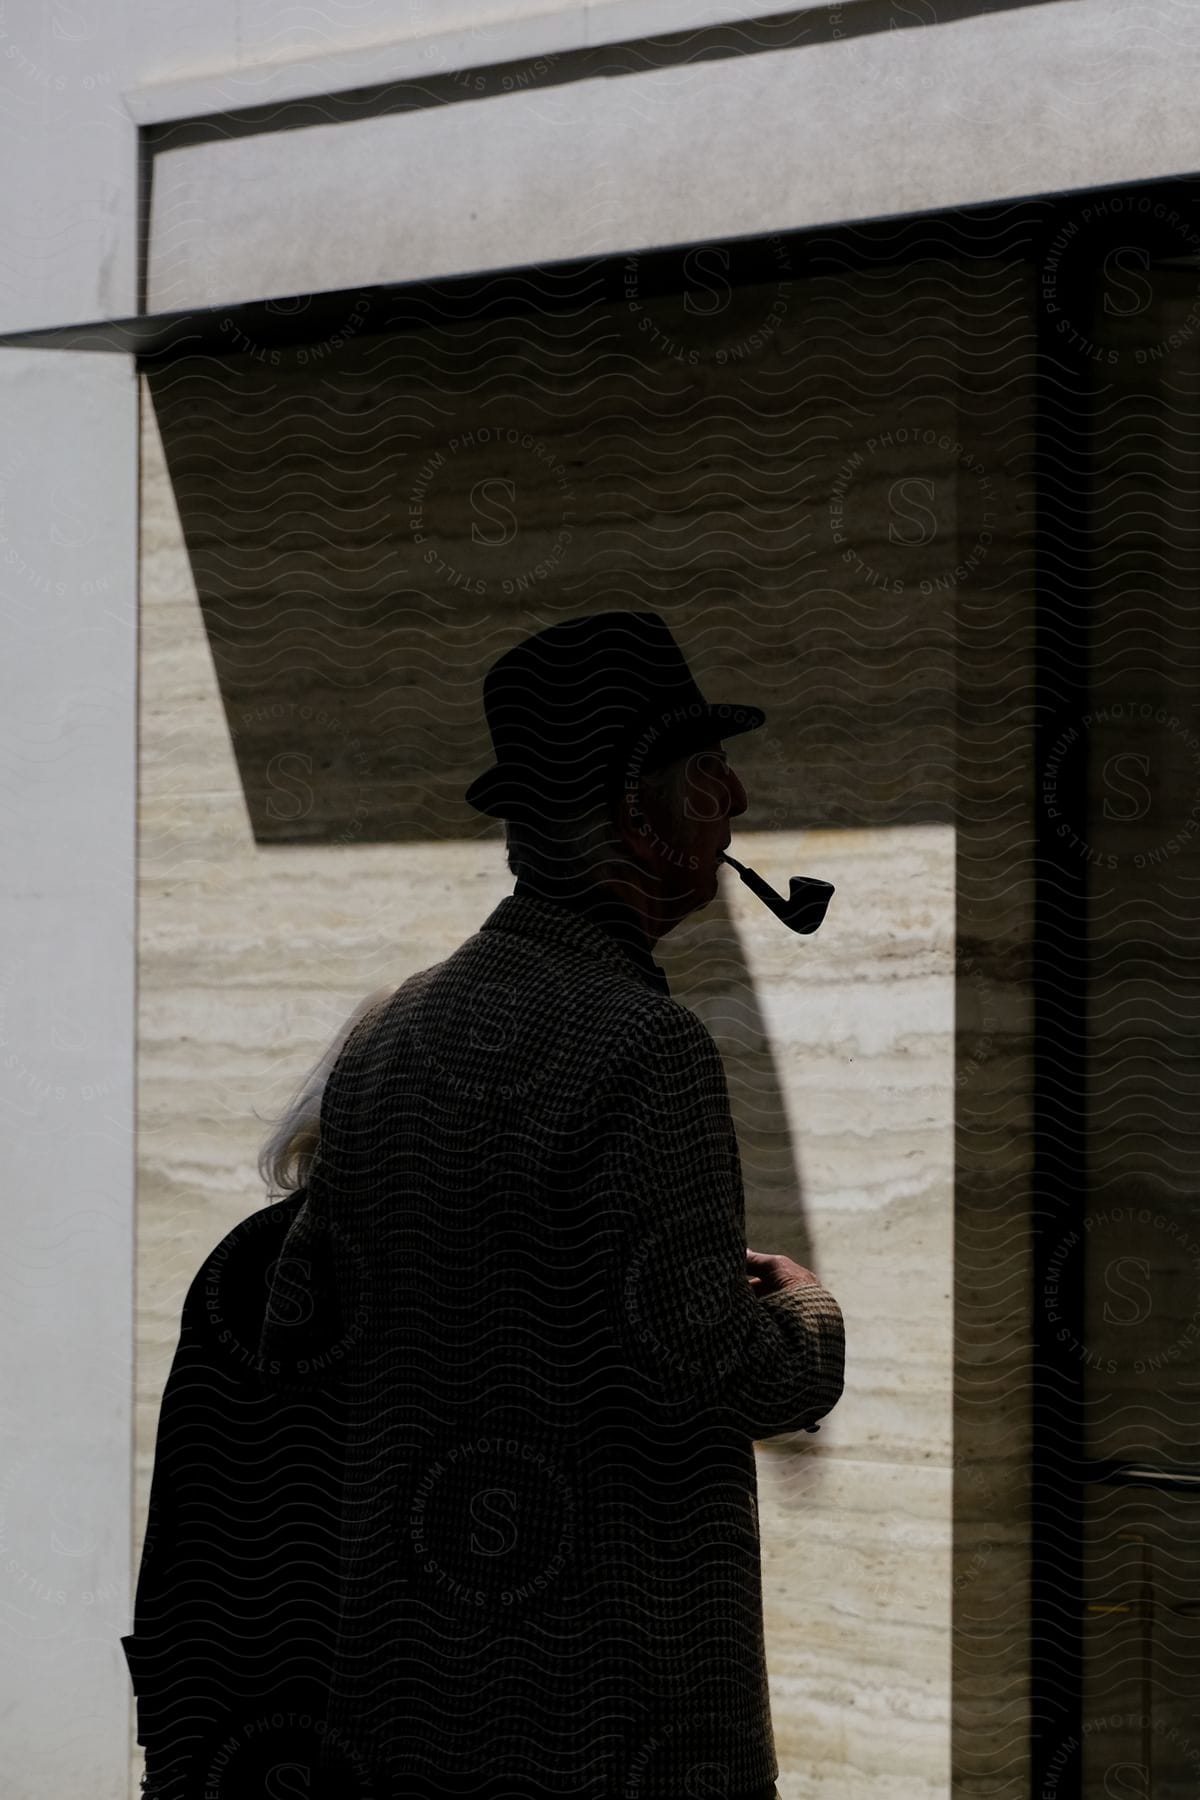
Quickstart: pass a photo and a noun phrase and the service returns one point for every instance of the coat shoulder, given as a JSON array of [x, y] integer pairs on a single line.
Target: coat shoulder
[[547, 1016]]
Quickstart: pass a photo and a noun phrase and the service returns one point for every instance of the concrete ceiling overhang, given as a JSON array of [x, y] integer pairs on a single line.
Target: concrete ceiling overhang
[[644, 145]]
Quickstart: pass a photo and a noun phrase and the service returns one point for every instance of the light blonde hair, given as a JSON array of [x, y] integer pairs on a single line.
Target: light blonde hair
[[285, 1160]]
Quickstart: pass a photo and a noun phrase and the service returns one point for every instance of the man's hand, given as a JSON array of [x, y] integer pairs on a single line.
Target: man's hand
[[770, 1274]]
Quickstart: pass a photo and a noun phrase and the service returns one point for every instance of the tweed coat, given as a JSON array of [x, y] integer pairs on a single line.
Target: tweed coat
[[520, 1266]]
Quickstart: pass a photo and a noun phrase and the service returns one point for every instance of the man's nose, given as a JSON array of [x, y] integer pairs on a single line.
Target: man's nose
[[737, 795]]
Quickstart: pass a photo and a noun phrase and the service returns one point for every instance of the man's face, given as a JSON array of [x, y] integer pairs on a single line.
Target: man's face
[[683, 850]]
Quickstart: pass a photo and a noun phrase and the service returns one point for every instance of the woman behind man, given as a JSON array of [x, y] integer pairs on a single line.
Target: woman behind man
[[235, 1595], [286, 1155]]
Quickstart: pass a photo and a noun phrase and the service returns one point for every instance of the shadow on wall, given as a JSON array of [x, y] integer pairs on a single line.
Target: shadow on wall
[[366, 537], [708, 968], [373, 519]]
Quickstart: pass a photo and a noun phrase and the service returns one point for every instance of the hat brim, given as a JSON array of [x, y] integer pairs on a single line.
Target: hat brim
[[501, 793]]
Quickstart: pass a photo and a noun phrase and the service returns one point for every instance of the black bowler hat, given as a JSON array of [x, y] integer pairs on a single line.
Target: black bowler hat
[[579, 711]]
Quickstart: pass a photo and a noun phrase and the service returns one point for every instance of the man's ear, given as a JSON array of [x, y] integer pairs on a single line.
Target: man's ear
[[633, 826]]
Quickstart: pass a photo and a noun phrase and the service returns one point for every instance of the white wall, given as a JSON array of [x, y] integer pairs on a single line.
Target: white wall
[[78, 76], [1063, 94], [68, 684], [68, 200], [242, 52], [1051, 96], [1025, 101]]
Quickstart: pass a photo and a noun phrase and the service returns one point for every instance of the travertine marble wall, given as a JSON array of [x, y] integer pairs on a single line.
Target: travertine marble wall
[[840, 1048], [840, 1055]]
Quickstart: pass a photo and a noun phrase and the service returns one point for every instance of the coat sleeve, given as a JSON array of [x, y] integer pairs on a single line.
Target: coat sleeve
[[688, 1319]]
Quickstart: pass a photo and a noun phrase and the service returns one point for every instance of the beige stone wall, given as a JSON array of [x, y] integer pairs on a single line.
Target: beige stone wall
[[304, 667], [839, 1050]]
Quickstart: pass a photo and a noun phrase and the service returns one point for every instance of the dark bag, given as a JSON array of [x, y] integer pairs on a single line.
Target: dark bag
[[235, 1609]]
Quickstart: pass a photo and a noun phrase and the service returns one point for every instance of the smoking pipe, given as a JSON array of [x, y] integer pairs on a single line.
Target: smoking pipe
[[807, 901]]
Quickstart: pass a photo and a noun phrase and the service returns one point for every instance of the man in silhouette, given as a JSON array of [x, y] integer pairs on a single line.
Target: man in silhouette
[[519, 1286]]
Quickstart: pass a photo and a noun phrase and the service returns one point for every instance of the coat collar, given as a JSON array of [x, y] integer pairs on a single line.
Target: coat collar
[[597, 923]]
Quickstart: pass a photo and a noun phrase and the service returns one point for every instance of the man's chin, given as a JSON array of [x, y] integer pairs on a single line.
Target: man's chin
[[707, 892], [699, 894]]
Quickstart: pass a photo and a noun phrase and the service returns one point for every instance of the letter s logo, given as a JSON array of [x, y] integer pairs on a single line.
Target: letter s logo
[[1137, 291], [1127, 1781], [503, 521], [289, 1287], [717, 289], [493, 1016], [502, 1525], [708, 1781], [1141, 798], [921, 518], [1135, 1295], [300, 801], [704, 797], [281, 1773]]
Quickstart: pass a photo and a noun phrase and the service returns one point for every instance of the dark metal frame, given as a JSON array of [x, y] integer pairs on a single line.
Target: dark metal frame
[[1069, 394], [1060, 988]]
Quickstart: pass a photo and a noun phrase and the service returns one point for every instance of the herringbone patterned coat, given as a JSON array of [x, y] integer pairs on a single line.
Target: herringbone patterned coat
[[521, 1264]]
